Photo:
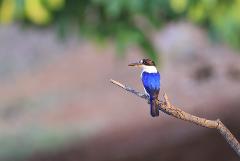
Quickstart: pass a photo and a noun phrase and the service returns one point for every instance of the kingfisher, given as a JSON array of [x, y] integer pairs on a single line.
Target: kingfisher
[[151, 82]]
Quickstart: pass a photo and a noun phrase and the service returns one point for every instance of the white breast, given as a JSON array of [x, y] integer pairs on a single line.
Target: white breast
[[149, 69]]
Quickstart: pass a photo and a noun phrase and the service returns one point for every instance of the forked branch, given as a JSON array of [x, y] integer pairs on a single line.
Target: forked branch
[[166, 107]]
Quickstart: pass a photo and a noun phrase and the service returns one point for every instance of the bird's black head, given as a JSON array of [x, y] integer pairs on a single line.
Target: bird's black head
[[147, 62]]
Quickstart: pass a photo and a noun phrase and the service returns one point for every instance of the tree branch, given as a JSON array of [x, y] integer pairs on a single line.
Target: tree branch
[[166, 107]]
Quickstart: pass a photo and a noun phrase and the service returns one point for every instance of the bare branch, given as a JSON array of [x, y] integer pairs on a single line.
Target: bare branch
[[166, 107]]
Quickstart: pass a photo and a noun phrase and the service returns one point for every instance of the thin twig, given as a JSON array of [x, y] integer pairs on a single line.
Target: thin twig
[[166, 107]]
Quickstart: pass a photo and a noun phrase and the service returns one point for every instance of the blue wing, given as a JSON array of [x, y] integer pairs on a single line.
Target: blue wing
[[151, 83]]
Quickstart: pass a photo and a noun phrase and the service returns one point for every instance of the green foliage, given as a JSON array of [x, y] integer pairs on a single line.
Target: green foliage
[[127, 22]]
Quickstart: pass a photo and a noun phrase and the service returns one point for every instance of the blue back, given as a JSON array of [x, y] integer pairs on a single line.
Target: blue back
[[151, 82]]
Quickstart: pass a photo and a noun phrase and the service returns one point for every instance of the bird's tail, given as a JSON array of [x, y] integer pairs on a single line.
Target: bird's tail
[[154, 108]]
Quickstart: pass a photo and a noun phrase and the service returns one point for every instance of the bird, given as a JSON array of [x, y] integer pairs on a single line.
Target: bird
[[151, 82]]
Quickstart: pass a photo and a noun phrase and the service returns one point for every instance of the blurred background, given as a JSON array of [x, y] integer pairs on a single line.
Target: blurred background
[[56, 59]]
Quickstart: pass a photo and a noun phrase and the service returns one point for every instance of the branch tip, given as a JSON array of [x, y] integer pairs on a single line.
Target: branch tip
[[166, 99], [117, 83]]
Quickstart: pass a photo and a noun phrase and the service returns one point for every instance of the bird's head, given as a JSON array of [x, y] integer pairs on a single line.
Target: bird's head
[[143, 62], [146, 64]]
